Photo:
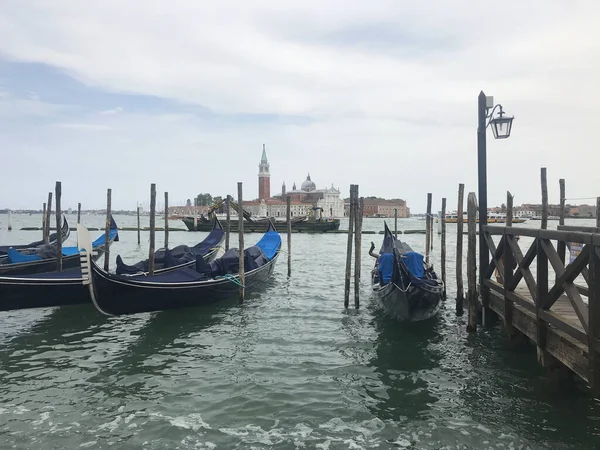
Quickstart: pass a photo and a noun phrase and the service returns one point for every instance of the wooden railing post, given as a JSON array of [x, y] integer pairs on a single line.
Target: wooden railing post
[[594, 317], [561, 246], [472, 262], [509, 263], [540, 299]]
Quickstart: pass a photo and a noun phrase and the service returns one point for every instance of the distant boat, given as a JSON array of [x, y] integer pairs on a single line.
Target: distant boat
[[403, 285], [300, 223]]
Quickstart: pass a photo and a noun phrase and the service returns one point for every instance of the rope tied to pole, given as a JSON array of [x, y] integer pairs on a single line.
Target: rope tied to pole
[[231, 278]]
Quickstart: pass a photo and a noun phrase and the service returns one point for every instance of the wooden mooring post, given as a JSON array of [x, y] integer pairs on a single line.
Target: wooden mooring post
[[48, 214], [241, 241], [288, 216], [9, 225], [44, 223], [460, 293], [107, 230], [166, 220], [597, 212], [79, 213], [358, 217], [396, 223], [138, 225], [58, 195], [152, 228], [443, 243], [228, 221], [428, 236], [472, 261], [349, 246]]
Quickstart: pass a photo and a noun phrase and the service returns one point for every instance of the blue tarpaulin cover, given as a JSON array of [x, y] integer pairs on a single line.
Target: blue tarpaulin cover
[[16, 257], [270, 243], [414, 263], [386, 267]]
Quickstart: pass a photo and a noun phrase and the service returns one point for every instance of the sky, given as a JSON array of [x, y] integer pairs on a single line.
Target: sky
[[382, 94]]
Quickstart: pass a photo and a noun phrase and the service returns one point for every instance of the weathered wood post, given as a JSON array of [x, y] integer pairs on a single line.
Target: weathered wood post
[[561, 247], [78, 213], [166, 220], [138, 225], [241, 241], [152, 228], [594, 318], [360, 207], [48, 214], [544, 199], [107, 230], [460, 293], [44, 223], [544, 358], [443, 243], [58, 195], [396, 222], [509, 263], [195, 214], [228, 222], [597, 213], [9, 226], [472, 261], [428, 230], [349, 248], [288, 215]]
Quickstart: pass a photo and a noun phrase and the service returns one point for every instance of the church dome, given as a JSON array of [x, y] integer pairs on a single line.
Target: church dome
[[308, 184]]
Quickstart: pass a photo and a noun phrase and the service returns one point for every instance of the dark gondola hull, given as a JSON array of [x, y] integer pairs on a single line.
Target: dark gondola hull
[[260, 226], [25, 292], [110, 293], [411, 306]]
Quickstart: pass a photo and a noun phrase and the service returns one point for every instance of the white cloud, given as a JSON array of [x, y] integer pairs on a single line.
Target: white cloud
[[394, 112]]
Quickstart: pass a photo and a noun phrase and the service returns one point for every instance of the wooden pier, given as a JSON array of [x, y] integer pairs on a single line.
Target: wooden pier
[[554, 304]]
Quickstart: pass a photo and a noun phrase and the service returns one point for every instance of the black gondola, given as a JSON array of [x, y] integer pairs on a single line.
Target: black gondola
[[55, 288], [64, 231], [167, 260], [206, 283], [42, 259], [404, 286]]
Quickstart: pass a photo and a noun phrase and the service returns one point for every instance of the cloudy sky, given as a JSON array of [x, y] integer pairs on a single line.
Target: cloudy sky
[[382, 93]]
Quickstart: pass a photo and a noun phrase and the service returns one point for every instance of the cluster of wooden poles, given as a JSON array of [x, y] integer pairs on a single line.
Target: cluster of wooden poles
[[47, 208]]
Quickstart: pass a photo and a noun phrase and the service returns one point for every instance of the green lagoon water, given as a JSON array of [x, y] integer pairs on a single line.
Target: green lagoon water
[[289, 369]]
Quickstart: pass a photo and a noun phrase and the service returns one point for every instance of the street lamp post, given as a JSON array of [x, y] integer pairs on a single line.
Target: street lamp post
[[501, 127]]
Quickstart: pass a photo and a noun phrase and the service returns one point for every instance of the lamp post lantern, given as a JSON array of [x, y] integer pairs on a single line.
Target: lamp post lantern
[[501, 127]]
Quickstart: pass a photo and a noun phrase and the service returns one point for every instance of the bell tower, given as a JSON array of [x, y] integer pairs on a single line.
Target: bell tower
[[264, 177]]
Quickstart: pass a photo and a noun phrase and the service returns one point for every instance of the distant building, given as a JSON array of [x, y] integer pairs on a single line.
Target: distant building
[[379, 207], [303, 200]]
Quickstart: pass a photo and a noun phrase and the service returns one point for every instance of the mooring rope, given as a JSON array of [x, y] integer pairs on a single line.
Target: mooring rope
[[231, 278]]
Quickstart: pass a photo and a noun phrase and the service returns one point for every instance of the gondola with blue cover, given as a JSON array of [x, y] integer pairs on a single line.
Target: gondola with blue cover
[[205, 283], [167, 260], [403, 285], [66, 287], [42, 259], [52, 240]]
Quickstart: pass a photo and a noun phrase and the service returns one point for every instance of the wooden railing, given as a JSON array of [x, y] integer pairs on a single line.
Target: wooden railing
[[540, 295]]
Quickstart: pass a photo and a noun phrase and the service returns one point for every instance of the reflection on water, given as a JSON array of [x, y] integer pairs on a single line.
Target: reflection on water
[[288, 369]]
